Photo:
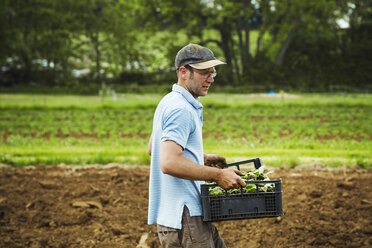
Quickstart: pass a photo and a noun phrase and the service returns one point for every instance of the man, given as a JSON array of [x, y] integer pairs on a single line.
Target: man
[[177, 158]]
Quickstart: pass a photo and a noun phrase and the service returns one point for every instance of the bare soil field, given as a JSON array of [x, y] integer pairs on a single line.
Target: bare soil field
[[106, 206]]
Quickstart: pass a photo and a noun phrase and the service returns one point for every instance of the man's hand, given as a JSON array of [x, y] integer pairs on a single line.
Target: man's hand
[[214, 160], [228, 178]]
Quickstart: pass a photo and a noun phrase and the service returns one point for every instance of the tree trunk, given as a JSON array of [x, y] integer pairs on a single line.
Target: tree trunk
[[237, 71], [265, 11], [287, 42], [259, 39], [246, 48], [95, 40], [241, 46], [26, 57], [225, 33]]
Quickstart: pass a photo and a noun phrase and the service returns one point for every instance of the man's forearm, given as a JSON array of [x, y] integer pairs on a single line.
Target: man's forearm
[[174, 163], [185, 168]]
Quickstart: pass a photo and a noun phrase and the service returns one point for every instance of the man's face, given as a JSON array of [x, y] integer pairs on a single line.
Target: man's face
[[199, 81]]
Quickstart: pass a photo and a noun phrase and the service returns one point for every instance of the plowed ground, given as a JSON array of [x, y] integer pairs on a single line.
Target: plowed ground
[[106, 206]]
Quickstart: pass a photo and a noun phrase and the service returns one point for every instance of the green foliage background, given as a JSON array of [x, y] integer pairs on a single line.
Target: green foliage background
[[72, 46]]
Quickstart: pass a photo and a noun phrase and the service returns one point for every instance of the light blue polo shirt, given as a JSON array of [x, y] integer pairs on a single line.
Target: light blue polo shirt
[[179, 118]]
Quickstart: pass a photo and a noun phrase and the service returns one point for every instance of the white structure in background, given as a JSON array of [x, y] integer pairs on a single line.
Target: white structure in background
[[114, 96], [344, 22], [79, 73]]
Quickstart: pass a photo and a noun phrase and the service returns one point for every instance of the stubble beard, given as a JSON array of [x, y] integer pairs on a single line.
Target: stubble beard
[[193, 87]]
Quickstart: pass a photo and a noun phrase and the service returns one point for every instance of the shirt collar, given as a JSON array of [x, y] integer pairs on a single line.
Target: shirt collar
[[187, 95]]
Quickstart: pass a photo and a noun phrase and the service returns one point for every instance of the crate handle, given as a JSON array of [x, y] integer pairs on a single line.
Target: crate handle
[[257, 163]]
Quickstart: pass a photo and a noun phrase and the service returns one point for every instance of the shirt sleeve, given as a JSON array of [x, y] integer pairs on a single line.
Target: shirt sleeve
[[177, 126]]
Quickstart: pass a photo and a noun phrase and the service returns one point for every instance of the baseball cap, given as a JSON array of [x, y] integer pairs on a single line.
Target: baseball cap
[[196, 56]]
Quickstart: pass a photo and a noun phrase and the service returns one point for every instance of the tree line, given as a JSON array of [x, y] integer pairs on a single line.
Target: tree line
[[295, 45]]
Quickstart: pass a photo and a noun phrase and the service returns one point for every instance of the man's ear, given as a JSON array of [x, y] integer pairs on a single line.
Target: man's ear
[[182, 71]]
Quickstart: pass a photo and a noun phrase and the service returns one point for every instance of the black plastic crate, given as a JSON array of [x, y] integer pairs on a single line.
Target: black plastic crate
[[242, 205]]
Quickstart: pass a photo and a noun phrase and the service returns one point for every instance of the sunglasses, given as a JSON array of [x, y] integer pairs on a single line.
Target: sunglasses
[[205, 74]]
